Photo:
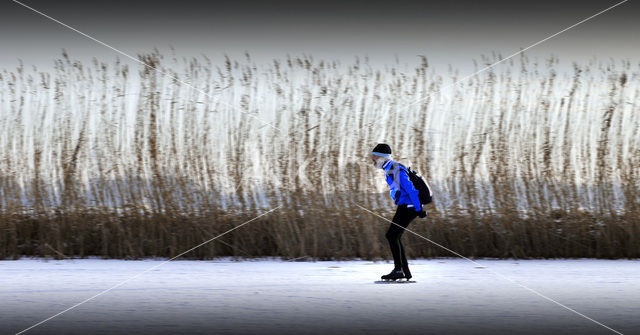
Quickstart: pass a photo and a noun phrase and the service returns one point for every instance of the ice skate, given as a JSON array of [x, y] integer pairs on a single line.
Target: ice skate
[[407, 273], [393, 275]]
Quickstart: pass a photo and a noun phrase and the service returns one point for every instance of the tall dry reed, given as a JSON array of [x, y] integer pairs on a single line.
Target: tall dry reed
[[529, 159]]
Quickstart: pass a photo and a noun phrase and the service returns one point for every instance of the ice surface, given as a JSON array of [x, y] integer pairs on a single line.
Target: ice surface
[[451, 296]]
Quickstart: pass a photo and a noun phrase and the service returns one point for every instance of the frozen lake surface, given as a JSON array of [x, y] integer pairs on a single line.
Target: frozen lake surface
[[451, 296]]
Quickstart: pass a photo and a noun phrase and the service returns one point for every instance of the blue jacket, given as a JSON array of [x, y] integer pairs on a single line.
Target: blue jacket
[[401, 190]]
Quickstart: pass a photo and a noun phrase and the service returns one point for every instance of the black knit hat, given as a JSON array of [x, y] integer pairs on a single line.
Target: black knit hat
[[382, 148]]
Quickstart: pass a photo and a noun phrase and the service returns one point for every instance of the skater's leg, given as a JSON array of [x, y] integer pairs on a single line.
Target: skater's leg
[[408, 215], [402, 217], [403, 257], [393, 236], [405, 263]]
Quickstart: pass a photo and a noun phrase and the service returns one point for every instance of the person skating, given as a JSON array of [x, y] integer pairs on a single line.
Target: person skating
[[405, 195]]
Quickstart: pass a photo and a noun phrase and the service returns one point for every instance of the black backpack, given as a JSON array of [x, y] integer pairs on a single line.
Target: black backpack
[[424, 191]]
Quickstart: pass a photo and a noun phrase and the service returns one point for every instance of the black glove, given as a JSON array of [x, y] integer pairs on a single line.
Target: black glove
[[422, 214]]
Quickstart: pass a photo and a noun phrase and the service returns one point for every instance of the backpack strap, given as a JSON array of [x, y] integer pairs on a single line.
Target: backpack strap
[[397, 167]]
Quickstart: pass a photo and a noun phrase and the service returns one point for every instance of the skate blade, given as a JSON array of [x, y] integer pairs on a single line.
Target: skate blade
[[389, 281]]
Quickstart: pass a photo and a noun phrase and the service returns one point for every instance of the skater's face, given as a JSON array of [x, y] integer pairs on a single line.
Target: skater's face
[[375, 160]]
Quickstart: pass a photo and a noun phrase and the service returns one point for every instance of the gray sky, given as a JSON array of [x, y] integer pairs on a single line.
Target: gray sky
[[447, 32]]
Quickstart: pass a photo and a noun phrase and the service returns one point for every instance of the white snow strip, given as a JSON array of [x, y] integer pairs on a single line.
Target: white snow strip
[[451, 296]]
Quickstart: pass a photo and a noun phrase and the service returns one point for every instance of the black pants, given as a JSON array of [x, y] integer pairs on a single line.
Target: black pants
[[403, 217]]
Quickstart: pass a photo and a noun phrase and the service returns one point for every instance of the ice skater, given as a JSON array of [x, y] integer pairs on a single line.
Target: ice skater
[[406, 196]]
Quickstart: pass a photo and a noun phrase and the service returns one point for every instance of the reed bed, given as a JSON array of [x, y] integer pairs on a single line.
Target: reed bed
[[527, 159]]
